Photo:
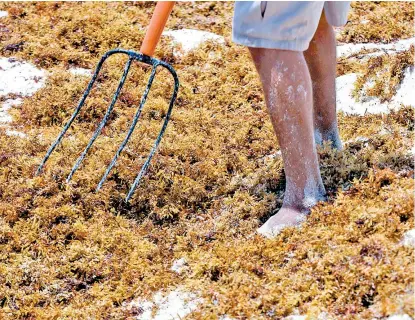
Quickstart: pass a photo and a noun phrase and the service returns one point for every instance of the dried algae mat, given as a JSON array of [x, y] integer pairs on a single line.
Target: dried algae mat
[[69, 253]]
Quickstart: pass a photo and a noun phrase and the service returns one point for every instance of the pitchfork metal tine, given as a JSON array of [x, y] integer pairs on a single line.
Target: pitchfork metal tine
[[132, 56], [132, 127], [78, 108], [104, 120], [156, 143]]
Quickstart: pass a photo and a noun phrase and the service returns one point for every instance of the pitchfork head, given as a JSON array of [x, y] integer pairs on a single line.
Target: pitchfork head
[[132, 55]]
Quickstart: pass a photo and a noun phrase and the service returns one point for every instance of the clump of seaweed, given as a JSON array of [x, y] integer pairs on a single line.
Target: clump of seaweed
[[68, 252], [379, 74], [73, 28], [384, 73], [373, 21]]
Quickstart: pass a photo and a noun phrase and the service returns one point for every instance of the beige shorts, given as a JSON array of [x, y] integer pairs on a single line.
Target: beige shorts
[[285, 25]]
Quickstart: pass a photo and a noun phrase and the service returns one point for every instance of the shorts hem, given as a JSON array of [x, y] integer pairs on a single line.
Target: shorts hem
[[295, 45]]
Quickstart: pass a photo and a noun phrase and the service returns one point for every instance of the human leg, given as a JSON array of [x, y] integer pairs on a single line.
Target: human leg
[[288, 92], [321, 61]]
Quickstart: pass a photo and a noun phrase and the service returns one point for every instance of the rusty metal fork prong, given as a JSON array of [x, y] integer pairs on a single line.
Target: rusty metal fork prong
[[131, 129], [104, 120], [74, 114]]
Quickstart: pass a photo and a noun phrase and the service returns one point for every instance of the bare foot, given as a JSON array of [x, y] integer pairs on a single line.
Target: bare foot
[[286, 217], [294, 210]]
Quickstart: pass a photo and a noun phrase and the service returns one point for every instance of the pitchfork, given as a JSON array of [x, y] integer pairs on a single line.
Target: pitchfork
[[152, 36]]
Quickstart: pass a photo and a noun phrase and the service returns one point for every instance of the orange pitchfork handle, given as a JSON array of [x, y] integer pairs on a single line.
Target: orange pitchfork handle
[[158, 21]]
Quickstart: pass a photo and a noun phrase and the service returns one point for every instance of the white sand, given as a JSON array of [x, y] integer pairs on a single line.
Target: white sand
[[409, 238], [345, 83], [22, 78], [190, 39], [80, 72], [348, 104], [179, 265], [348, 49], [5, 117], [174, 306], [15, 133], [405, 93], [400, 317], [295, 317]]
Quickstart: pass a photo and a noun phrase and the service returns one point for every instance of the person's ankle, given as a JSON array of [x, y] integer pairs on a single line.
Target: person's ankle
[[305, 200], [296, 206], [333, 136], [328, 133]]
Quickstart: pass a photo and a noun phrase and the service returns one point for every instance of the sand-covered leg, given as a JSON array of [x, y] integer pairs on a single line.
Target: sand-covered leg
[[321, 61], [287, 87]]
